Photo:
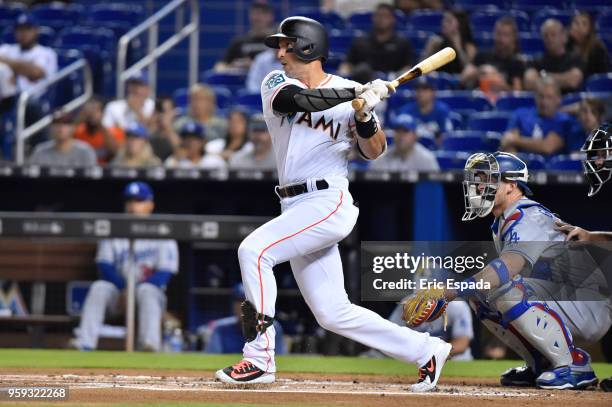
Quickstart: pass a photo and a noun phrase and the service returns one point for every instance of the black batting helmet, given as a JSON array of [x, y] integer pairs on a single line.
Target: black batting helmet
[[310, 38]]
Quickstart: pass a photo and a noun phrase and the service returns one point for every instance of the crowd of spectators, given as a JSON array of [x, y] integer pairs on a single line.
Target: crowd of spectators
[[141, 130]]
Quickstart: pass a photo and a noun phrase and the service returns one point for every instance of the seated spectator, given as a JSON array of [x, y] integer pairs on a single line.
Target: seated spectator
[[226, 333], [541, 129], [264, 63], [164, 138], [257, 154], [137, 151], [498, 69], [156, 263], [236, 136], [22, 66], [63, 150], [105, 141], [137, 107], [556, 61], [406, 153], [584, 42], [455, 32], [459, 331], [430, 115], [243, 49], [192, 153], [383, 50], [203, 110], [590, 115]]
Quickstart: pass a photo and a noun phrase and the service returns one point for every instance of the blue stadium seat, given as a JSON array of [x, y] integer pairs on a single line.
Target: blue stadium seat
[[119, 17], [607, 40], [232, 81], [464, 102], [418, 39], [71, 86], [181, 98], [9, 13], [471, 141], [473, 6], [564, 163], [361, 21], [535, 162], [485, 21], [46, 36], [531, 44], [58, 15], [565, 16], [513, 100], [439, 81], [592, 5], [428, 143], [489, 121], [340, 40], [249, 99], [571, 98], [426, 20], [533, 5], [599, 82], [451, 160], [483, 40], [330, 20]]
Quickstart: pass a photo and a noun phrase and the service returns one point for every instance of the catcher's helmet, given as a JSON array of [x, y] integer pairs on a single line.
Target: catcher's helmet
[[311, 42], [483, 174], [598, 162]]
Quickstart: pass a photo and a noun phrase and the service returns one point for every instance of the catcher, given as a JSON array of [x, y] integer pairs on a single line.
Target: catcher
[[541, 332]]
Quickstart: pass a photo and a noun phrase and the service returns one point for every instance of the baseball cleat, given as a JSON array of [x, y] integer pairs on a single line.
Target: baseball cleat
[[522, 376], [567, 377], [244, 373], [429, 373]]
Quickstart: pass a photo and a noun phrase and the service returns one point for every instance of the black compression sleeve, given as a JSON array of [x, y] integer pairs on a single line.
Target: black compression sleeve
[[292, 98]]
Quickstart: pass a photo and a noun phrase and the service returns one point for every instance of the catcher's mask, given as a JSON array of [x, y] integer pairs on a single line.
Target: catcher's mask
[[598, 162], [483, 174]]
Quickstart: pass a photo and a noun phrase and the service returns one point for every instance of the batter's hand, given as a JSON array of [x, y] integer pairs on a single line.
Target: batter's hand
[[371, 99], [572, 232], [383, 89]]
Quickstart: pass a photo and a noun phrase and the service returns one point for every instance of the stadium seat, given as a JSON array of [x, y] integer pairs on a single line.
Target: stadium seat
[[451, 160], [46, 36], [426, 20], [565, 16], [485, 21], [604, 22], [534, 5], [571, 98], [599, 82], [592, 5], [531, 44], [330, 19], [535, 162], [428, 143], [464, 102], [473, 6], [483, 40], [417, 39], [224, 97], [58, 15], [71, 86], [250, 100], [514, 100], [232, 81], [340, 40], [181, 98], [9, 13], [564, 163], [361, 21], [471, 141], [118, 17], [489, 121]]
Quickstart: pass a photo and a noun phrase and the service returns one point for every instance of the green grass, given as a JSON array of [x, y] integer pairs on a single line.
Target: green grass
[[29, 358]]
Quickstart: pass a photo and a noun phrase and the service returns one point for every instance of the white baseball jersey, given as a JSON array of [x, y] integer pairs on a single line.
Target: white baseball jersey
[[309, 145], [43, 57], [150, 255]]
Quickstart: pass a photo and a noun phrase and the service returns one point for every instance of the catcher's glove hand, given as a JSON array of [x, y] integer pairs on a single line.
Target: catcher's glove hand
[[424, 306]]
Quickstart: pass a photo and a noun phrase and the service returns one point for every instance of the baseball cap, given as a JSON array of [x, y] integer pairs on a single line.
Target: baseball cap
[[192, 128], [26, 20], [257, 123], [137, 130], [137, 190], [403, 121]]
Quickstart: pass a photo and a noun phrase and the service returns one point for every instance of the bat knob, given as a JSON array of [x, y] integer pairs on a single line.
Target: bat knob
[[358, 103]]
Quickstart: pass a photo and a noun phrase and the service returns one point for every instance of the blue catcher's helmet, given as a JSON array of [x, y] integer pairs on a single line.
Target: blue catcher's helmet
[[483, 173], [598, 162]]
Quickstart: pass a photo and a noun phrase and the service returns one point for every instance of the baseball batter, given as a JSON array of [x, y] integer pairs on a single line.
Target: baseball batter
[[313, 128], [530, 261], [154, 261]]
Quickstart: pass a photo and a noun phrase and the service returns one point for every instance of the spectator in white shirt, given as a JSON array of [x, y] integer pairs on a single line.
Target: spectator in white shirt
[[137, 107], [264, 63], [192, 153], [257, 154], [406, 153]]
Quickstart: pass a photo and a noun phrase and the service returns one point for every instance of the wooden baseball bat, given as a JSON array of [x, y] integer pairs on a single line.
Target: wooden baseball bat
[[427, 65]]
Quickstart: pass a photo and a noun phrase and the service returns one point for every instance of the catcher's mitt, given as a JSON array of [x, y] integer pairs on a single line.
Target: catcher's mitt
[[424, 306]]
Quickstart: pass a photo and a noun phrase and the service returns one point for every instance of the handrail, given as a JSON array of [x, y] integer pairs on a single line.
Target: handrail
[[22, 132], [155, 50]]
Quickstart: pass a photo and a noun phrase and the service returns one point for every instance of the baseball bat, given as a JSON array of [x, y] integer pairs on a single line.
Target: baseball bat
[[427, 65]]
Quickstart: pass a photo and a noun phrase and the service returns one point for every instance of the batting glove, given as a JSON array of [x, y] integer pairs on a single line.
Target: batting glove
[[383, 89]]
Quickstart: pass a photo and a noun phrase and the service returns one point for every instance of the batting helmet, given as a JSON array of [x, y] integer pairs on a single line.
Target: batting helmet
[[598, 163], [483, 174], [310, 38]]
